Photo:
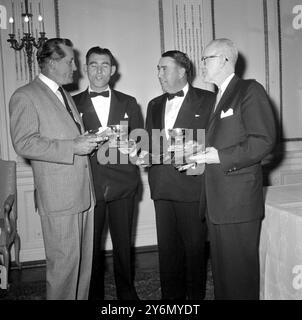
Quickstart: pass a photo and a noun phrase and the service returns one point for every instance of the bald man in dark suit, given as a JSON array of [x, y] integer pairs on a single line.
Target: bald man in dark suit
[[240, 134]]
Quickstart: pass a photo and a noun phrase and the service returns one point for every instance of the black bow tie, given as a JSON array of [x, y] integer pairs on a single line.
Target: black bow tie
[[176, 94], [94, 94]]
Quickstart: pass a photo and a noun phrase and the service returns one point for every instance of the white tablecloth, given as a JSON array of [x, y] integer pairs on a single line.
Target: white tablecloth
[[281, 244]]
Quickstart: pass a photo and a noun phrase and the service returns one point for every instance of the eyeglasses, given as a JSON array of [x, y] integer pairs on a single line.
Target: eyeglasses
[[204, 58]]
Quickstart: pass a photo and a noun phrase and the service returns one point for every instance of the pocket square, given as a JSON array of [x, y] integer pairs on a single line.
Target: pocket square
[[197, 115], [126, 116], [228, 113], [81, 114]]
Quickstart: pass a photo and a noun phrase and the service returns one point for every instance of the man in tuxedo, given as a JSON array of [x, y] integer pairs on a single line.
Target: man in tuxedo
[[180, 227], [240, 134], [47, 130], [115, 184]]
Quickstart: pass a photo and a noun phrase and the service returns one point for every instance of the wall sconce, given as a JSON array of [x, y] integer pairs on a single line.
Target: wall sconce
[[28, 42]]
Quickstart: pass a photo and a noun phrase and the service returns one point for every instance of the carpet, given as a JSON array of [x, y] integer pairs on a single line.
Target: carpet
[[146, 282], [148, 286]]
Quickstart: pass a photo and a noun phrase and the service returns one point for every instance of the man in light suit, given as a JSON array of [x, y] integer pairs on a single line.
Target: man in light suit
[[47, 129], [180, 226], [115, 184], [240, 134]]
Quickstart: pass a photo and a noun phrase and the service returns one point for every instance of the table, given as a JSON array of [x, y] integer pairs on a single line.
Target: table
[[280, 248]]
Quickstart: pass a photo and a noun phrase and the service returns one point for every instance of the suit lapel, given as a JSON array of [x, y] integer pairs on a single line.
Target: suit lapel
[[52, 96], [58, 105], [74, 109], [225, 99], [188, 110], [158, 113], [90, 118], [117, 109]]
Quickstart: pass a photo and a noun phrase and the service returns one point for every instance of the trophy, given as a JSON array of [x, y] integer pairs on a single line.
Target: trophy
[[101, 133], [177, 139], [117, 133], [183, 146], [178, 135]]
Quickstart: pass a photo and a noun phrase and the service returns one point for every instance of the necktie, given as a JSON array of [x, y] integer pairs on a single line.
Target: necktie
[[94, 94], [177, 94], [68, 107], [218, 97]]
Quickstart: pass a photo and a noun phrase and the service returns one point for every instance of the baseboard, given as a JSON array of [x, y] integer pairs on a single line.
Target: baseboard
[[28, 264], [137, 250]]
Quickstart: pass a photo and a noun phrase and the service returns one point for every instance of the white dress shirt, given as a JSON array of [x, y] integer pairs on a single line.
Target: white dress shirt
[[222, 88], [102, 106], [172, 109]]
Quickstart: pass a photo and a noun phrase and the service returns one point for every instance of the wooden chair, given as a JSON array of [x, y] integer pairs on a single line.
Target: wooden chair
[[8, 218]]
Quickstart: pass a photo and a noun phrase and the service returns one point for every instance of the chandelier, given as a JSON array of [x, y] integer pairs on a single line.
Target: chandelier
[[28, 41]]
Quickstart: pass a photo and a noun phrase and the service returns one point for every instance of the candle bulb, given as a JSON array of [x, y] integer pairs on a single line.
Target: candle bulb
[[41, 23], [12, 25]]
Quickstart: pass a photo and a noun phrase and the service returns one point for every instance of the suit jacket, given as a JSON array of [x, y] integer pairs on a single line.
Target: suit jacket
[[43, 132], [112, 181], [165, 181], [243, 140]]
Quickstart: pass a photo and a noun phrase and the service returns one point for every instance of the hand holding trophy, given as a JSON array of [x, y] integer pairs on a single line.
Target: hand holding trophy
[[117, 135], [127, 147], [183, 147], [100, 133]]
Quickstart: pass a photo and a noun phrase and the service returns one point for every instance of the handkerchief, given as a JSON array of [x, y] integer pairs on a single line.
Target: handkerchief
[[228, 113], [197, 115], [126, 116], [81, 114]]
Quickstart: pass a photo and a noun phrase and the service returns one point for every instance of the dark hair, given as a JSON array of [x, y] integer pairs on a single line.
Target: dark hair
[[98, 50], [50, 47], [181, 59]]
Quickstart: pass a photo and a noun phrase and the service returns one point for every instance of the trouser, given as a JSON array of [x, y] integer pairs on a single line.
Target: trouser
[[181, 237], [68, 242], [120, 218], [235, 259]]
